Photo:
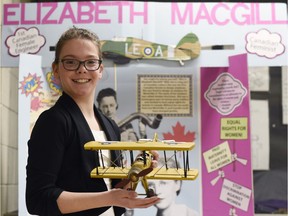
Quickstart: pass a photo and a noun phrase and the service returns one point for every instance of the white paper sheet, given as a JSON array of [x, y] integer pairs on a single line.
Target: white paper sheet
[[260, 134]]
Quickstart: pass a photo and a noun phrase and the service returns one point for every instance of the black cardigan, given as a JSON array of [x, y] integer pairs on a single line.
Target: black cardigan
[[57, 160]]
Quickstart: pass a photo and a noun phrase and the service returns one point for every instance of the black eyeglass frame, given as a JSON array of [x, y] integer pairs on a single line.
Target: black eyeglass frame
[[80, 63]]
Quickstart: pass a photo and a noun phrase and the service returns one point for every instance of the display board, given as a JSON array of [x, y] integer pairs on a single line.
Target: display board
[[202, 96]]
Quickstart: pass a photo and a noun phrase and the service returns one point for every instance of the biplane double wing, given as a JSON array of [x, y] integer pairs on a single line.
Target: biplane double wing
[[157, 173], [142, 145], [164, 172]]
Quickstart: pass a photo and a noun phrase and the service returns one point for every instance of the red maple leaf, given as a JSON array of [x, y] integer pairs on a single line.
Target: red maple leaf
[[179, 134]]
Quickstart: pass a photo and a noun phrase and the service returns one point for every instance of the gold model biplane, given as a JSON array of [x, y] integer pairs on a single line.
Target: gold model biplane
[[141, 168]]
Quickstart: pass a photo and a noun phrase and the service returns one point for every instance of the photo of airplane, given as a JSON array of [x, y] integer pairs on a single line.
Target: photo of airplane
[[140, 169], [122, 50]]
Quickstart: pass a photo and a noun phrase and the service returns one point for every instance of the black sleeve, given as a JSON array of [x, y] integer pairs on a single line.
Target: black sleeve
[[45, 153]]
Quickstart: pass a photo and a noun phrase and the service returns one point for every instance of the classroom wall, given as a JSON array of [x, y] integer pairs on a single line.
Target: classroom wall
[[8, 134]]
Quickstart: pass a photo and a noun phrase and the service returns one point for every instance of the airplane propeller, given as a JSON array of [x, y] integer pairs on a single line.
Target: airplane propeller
[[124, 182], [145, 172]]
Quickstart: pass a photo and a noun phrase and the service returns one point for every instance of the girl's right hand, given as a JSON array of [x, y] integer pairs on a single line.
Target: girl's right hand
[[129, 199]]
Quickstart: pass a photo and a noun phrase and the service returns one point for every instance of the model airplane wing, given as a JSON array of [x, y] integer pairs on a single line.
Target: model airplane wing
[[110, 172], [141, 168], [140, 145], [173, 174], [157, 173]]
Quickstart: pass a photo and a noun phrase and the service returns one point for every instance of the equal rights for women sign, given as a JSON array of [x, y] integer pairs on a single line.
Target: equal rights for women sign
[[227, 149]]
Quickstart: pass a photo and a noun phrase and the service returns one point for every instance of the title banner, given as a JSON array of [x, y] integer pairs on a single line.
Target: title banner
[[27, 26]]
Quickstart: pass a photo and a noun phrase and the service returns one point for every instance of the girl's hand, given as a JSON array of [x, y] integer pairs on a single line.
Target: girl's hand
[[129, 199], [155, 158]]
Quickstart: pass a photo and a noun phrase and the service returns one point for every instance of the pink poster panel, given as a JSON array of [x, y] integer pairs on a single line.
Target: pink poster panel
[[225, 139]]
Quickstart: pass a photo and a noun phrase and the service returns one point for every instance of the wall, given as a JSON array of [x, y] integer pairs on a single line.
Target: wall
[[8, 135]]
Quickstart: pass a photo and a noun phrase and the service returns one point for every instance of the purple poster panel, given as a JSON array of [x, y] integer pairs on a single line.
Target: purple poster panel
[[225, 137]]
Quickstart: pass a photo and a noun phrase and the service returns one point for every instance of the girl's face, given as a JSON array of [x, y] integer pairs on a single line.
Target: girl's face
[[78, 83]]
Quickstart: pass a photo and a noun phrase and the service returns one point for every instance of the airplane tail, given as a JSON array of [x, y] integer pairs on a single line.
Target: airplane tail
[[190, 45]]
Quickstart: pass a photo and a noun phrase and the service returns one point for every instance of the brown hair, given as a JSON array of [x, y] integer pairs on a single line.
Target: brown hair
[[76, 33], [106, 93]]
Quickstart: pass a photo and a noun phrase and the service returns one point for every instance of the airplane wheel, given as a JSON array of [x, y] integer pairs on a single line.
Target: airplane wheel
[[151, 193]]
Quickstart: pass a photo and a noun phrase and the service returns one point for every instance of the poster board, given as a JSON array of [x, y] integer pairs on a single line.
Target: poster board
[[258, 35]]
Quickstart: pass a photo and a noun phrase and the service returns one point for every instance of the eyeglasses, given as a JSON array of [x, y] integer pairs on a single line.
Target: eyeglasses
[[74, 64]]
